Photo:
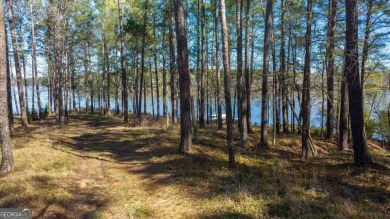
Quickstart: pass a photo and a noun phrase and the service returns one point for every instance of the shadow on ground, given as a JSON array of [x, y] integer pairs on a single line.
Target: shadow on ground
[[277, 180]]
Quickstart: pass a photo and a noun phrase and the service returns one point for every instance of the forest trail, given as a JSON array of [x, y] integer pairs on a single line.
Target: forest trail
[[96, 167], [106, 165]]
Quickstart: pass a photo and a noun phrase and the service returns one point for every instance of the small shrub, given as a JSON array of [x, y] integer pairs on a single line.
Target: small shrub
[[32, 115], [44, 112], [316, 131]]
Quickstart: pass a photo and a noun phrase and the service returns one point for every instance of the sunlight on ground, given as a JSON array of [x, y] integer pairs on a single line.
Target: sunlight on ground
[[97, 168]]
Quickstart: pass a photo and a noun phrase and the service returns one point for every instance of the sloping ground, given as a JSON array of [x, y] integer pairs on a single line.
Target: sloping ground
[[95, 167]]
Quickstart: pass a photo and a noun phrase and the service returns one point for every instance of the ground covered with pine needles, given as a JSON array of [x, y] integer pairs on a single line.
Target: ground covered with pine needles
[[96, 167]]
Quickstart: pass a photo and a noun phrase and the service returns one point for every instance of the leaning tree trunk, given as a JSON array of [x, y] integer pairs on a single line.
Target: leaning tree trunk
[[264, 88], [351, 68], [184, 78], [22, 101], [366, 46], [7, 161]]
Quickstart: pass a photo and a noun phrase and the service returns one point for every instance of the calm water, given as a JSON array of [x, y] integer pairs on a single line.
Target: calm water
[[255, 106]]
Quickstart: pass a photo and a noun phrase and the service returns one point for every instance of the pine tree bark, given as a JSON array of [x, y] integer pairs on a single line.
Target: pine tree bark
[[351, 68], [249, 116], [123, 69], [34, 59], [151, 84], [227, 81], [264, 88], [108, 69], [136, 82], [284, 90], [104, 75], [23, 62], [184, 78], [241, 97], [56, 16], [277, 87], [172, 67], [91, 81], [142, 80], [9, 84], [203, 63], [218, 72], [22, 101], [366, 46], [306, 85], [49, 75], [156, 74], [332, 17], [7, 161], [247, 71], [165, 92]]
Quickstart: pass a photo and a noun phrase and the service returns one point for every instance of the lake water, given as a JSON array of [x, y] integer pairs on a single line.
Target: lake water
[[255, 106]]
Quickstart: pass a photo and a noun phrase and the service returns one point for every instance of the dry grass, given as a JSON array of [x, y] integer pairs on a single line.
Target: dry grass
[[95, 167]]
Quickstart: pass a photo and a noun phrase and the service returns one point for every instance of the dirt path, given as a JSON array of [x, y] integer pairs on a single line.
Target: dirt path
[[114, 176]]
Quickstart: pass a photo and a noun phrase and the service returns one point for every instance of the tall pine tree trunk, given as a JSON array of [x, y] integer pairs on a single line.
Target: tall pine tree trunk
[[165, 92], [306, 85], [108, 81], [241, 97], [172, 66], [283, 73], [227, 80], [156, 74], [34, 59], [366, 46], [351, 68], [203, 63], [142, 80], [22, 101], [218, 72], [123, 69], [277, 85], [151, 85], [7, 161], [184, 78], [247, 71], [332, 16], [9, 84], [264, 88]]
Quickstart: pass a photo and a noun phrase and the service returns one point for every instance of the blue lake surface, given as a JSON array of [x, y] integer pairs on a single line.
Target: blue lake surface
[[255, 106]]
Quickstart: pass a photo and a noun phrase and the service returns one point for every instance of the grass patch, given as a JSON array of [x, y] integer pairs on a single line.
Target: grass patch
[[113, 170], [280, 208]]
